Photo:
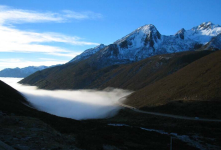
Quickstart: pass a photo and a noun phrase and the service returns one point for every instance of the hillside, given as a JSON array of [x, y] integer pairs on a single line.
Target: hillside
[[193, 89], [22, 127], [132, 76], [11, 100]]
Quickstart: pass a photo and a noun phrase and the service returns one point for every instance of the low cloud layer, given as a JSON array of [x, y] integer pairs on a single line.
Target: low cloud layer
[[76, 104]]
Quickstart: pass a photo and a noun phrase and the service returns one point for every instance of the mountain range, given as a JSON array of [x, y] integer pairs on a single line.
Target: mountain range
[[89, 68], [145, 60], [147, 41], [177, 74], [20, 72]]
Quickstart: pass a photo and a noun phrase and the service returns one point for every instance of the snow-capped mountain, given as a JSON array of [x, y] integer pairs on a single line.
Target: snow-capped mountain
[[20, 72], [214, 44], [203, 33], [147, 41], [87, 53]]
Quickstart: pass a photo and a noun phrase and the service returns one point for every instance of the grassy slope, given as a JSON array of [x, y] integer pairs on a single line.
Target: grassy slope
[[189, 88], [96, 133], [131, 76]]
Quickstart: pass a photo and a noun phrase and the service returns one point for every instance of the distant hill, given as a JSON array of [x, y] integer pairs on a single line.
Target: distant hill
[[20, 72], [194, 89]]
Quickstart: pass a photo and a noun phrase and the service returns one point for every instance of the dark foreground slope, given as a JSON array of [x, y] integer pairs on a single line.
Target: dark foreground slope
[[193, 90], [12, 102], [22, 127], [134, 76]]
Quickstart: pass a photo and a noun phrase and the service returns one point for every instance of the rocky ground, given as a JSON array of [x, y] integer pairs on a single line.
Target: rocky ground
[[26, 133]]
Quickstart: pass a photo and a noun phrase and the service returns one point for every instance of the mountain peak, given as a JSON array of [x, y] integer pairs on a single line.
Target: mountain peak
[[140, 34], [147, 28], [206, 26], [207, 23], [146, 41], [180, 33], [182, 30]]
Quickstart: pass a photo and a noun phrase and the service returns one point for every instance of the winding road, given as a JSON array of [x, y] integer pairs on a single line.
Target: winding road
[[169, 115]]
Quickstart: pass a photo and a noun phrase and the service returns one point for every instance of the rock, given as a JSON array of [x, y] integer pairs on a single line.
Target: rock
[[4, 146]]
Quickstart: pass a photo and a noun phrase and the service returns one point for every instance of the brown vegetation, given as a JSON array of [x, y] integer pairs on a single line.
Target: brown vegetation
[[134, 76], [197, 82]]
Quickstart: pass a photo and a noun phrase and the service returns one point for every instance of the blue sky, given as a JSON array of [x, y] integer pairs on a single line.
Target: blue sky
[[51, 32]]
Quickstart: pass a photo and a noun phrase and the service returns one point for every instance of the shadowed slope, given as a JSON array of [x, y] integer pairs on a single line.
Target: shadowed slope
[[188, 89], [12, 101], [132, 76]]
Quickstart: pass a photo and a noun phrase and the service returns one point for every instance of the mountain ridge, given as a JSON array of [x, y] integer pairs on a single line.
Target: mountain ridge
[[20, 72], [87, 53], [146, 41]]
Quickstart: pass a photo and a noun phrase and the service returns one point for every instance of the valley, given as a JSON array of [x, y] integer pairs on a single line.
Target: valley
[[151, 88], [140, 131]]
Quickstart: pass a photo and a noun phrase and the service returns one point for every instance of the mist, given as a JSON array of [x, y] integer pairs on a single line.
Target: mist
[[75, 104]]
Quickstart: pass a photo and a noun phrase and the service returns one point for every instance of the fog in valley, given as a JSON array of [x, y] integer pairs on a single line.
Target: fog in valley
[[76, 104]]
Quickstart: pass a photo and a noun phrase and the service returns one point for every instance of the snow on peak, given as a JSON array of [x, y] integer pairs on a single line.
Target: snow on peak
[[146, 41], [95, 49], [87, 53], [180, 33], [205, 26], [147, 29], [138, 37], [215, 43], [204, 32]]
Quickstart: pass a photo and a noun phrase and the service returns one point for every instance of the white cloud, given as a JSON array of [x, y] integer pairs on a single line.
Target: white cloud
[[47, 59], [14, 40], [11, 15], [82, 15]]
